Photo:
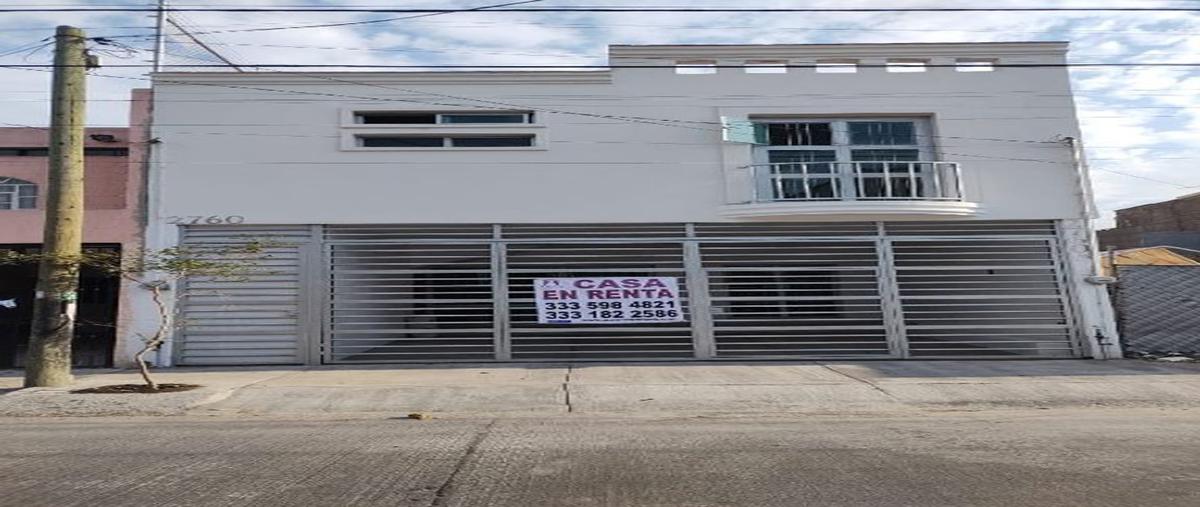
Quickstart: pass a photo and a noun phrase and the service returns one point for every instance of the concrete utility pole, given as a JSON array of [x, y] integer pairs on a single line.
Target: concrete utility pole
[[160, 40], [48, 363]]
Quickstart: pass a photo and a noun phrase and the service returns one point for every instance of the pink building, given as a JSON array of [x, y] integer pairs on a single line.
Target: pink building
[[113, 217]]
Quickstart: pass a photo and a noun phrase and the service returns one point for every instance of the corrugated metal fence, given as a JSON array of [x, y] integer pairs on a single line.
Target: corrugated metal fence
[[1158, 308]]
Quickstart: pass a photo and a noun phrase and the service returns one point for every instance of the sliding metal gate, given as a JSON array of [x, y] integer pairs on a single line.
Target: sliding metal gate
[[393, 293]]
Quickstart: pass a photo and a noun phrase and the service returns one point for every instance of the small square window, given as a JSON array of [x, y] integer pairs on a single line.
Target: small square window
[[837, 66], [696, 67], [901, 66], [974, 65], [766, 67]]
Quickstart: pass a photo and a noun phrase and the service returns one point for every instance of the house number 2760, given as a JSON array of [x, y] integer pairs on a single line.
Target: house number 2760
[[210, 220]]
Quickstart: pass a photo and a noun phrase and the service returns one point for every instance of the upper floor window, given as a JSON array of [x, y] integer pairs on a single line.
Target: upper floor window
[[820, 149], [453, 141], [17, 194], [437, 118]]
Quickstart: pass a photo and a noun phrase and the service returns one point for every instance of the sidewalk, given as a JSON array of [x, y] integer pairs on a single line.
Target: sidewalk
[[645, 389]]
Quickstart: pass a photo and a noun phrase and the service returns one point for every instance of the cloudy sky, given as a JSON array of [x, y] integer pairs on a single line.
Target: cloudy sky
[[1141, 125]]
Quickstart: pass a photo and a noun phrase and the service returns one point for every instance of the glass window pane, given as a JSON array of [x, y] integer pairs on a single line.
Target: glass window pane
[[809, 157], [799, 134], [6, 201], [26, 202], [490, 142], [485, 118], [884, 155], [26, 190], [402, 142], [883, 133], [5, 189], [386, 118]]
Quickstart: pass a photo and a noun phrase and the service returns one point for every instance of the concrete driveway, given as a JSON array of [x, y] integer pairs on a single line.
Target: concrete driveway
[[628, 389]]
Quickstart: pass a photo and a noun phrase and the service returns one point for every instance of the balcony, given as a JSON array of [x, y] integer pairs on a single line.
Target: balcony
[[792, 189]]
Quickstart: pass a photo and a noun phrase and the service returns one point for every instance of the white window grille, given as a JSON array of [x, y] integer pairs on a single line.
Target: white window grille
[[851, 159], [17, 194]]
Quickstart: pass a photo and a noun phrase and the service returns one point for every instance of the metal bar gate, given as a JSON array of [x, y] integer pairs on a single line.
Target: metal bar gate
[[438, 293]]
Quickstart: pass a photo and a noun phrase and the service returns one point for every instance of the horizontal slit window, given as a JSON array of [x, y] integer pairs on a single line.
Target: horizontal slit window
[[696, 67], [402, 142], [487, 118], [902, 66], [446, 141], [766, 67], [491, 142], [837, 66], [974, 65], [437, 118], [397, 118]]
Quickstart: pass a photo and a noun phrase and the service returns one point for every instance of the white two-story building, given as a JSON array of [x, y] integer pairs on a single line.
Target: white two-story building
[[812, 201]]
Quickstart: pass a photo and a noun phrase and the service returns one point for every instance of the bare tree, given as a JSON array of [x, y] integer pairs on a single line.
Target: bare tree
[[157, 271]]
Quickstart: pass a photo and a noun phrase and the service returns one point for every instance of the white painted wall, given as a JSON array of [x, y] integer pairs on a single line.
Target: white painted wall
[[275, 157], [269, 146]]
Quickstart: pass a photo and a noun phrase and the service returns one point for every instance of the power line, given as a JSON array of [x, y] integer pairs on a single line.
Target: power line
[[369, 21], [624, 66], [718, 10]]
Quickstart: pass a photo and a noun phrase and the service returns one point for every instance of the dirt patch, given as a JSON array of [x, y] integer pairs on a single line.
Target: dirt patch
[[136, 388]]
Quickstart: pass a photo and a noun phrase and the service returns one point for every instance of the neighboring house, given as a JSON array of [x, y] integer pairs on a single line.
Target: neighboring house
[[1169, 223], [1150, 256], [872, 201], [113, 221]]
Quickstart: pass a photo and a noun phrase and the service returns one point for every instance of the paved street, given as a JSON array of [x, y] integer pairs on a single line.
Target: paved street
[[1080, 456]]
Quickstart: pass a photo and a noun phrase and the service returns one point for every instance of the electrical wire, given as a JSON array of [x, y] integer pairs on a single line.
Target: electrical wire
[[666, 9], [1187, 65]]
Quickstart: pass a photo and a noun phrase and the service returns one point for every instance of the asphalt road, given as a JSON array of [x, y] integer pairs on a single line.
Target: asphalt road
[[1093, 457]]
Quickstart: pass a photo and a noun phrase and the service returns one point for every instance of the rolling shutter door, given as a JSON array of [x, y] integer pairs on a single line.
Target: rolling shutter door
[[256, 318]]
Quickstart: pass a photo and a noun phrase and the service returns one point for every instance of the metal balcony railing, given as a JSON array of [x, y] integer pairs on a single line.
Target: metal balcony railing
[[855, 181]]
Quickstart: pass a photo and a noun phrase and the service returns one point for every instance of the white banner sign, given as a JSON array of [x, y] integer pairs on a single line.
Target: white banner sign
[[609, 300]]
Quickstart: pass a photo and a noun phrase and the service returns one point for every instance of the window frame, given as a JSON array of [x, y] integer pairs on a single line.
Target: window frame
[[840, 144], [922, 131], [350, 118], [352, 141], [16, 197], [351, 131]]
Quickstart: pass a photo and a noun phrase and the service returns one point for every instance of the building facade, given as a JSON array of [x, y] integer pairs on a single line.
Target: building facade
[[113, 221], [811, 201], [1174, 223]]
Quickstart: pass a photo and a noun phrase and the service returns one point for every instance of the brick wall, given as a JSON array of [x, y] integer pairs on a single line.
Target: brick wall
[[1170, 223]]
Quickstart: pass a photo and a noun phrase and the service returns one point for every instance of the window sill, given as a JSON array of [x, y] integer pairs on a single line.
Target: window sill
[[443, 126], [448, 148]]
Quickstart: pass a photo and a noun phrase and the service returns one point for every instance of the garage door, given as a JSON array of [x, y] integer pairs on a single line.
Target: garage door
[[422, 293]]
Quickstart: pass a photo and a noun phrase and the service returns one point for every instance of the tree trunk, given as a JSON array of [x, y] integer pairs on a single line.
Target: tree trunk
[[156, 341]]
